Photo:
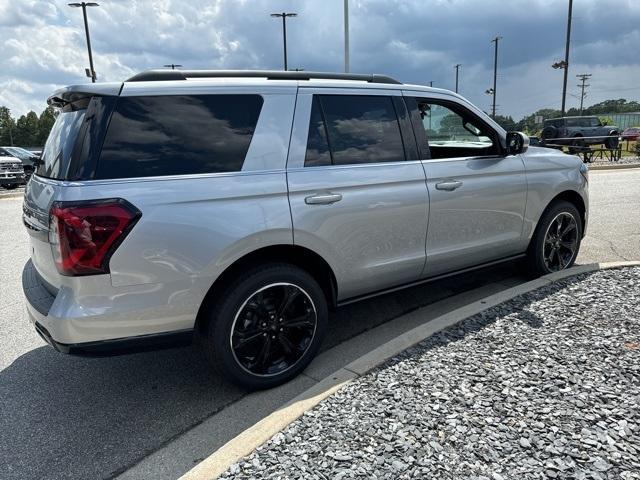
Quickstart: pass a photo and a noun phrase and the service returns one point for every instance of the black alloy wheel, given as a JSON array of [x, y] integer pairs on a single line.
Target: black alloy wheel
[[273, 329], [560, 242], [264, 326], [556, 241]]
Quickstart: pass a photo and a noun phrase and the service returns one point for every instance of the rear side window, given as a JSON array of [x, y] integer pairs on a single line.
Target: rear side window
[[359, 129], [178, 135], [58, 150]]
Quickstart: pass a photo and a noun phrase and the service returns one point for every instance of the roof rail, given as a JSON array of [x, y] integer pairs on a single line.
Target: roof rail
[[159, 75]]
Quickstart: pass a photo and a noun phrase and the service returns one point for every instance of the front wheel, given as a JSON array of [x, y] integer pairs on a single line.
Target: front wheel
[[267, 326], [556, 241]]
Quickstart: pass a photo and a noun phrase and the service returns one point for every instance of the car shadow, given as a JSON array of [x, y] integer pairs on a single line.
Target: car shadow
[[79, 417]]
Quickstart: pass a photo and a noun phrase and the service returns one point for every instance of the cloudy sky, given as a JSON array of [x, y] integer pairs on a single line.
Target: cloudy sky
[[42, 43]]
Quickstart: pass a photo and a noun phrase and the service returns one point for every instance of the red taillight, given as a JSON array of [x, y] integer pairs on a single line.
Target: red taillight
[[84, 235]]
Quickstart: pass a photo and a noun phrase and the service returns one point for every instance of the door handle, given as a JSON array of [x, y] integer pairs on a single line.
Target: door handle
[[449, 185], [323, 198]]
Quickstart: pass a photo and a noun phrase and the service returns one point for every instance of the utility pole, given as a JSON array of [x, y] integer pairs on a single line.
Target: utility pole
[[566, 58], [583, 77], [431, 83], [173, 66], [84, 5], [346, 36], [457, 67], [495, 75], [284, 16]]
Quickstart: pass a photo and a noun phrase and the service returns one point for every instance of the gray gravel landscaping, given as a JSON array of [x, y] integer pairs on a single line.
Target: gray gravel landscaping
[[546, 385]]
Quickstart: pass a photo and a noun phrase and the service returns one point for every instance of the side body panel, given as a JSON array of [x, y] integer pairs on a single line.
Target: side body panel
[[550, 173], [481, 220], [373, 238]]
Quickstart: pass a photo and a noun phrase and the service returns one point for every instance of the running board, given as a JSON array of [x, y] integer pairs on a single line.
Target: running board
[[427, 280]]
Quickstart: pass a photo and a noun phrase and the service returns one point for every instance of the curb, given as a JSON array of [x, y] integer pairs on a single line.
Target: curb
[[613, 166], [11, 195], [256, 435]]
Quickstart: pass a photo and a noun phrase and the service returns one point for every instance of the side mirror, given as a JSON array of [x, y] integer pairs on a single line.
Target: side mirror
[[517, 142]]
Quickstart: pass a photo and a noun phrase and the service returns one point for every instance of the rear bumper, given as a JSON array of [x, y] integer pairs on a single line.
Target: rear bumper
[[40, 299]]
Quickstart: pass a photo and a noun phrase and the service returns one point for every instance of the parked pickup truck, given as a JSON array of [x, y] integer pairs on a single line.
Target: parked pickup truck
[[579, 132], [11, 172]]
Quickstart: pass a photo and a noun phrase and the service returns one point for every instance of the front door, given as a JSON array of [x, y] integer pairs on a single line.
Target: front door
[[357, 188], [477, 194]]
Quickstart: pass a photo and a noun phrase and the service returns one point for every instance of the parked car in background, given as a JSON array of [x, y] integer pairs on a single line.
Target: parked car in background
[[579, 132], [631, 134], [11, 172], [29, 159], [239, 208], [534, 141]]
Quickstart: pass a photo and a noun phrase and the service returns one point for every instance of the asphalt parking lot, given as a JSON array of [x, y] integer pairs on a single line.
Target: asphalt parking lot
[[69, 417]]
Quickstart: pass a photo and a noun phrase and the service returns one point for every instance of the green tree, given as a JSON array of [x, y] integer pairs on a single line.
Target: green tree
[[7, 127], [528, 124], [506, 122], [26, 130]]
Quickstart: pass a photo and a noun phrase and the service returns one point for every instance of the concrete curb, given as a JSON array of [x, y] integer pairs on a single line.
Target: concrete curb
[[11, 195], [613, 166], [245, 443]]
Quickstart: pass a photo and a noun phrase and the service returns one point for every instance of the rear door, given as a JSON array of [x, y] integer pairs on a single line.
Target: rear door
[[357, 188], [477, 194]]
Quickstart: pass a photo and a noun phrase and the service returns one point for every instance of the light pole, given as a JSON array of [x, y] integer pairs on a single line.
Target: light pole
[[284, 16], [566, 58], [457, 67], [84, 6], [346, 36], [495, 75]]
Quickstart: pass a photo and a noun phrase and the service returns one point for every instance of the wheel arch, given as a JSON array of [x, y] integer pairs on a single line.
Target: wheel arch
[[296, 255], [570, 196]]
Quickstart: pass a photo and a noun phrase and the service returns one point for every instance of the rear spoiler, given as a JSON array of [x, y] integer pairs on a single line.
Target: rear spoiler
[[73, 93]]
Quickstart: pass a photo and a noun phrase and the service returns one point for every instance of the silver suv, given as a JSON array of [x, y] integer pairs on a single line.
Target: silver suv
[[238, 207]]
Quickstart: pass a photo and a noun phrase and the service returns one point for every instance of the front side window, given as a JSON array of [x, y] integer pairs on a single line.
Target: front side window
[[359, 129], [453, 132], [595, 122], [177, 135]]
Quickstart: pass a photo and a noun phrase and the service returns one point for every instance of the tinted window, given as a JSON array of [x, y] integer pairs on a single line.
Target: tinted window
[[58, 149], [594, 122], [317, 145], [573, 122], [174, 135], [362, 129]]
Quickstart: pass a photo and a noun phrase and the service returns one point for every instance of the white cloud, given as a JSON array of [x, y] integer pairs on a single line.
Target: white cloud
[[42, 43]]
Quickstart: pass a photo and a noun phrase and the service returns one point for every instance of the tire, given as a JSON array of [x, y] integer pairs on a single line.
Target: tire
[[612, 142], [10, 186], [539, 250], [254, 298], [548, 133]]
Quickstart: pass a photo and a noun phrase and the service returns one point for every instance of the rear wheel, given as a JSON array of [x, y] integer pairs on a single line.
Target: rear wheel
[[556, 241], [267, 326], [548, 134], [612, 142]]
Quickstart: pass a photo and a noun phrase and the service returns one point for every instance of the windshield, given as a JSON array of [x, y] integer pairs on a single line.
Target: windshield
[[56, 155]]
